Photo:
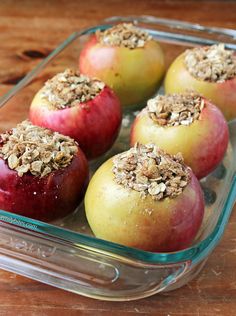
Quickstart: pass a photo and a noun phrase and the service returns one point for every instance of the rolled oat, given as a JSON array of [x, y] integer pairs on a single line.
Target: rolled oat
[[30, 148], [211, 63], [126, 35], [149, 170], [175, 109], [70, 88]]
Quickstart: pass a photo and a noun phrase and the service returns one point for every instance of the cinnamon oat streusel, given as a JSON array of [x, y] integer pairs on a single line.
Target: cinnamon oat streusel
[[212, 63], [29, 148], [69, 88], [125, 34], [149, 170], [175, 109]]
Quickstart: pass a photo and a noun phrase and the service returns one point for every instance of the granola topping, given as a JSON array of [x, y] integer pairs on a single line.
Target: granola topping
[[40, 151], [125, 34], [211, 63], [175, 109], [70, 88], [149, 170]]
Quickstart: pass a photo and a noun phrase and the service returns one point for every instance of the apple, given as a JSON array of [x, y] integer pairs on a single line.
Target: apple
[[134, 74], [121, 215], [223, 94], [202, 143], [94, 124], [47, 197]]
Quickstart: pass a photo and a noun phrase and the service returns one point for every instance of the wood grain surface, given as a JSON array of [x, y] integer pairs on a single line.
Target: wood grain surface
[[28, 31]]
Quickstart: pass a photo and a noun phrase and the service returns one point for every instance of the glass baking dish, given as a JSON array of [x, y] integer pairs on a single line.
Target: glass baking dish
[[64, 253]]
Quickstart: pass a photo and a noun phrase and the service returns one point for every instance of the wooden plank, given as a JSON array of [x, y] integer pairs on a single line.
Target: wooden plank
[[38, 26]]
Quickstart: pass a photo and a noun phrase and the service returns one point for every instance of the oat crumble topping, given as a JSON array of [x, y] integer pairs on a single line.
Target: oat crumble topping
[[29, 148], [70, 88], [211, 63], [175, 109], [149, 170], [125, 34]]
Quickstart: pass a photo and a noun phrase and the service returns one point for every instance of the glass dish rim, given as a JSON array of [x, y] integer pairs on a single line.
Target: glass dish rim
[[194, 253]]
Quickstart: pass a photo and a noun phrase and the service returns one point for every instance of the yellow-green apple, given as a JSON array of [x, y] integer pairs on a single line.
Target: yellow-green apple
[[147, 200], [201, 136], [27, 186], [86, 110], [132, 67], [213, 82]]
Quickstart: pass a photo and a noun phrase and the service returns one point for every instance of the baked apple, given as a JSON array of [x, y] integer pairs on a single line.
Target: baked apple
[[145, 198], [211, 71], [43, 175], [186, 123], [82, 108], [127, 59]]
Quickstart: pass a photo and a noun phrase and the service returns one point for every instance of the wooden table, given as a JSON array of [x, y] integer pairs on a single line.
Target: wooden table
[[30, 28]]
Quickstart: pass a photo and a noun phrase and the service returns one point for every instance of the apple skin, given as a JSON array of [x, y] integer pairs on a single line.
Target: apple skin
[[93, 124], [134, 74], [47, 198], [222, 94], [120, 215], [202, 143]]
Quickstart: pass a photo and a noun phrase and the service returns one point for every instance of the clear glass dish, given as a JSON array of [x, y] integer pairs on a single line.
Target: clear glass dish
[[64, 253]]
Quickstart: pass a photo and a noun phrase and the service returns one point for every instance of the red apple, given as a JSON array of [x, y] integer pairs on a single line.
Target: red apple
[[43, 174], [134, 74], [93, 124], [47, 198], [121, 215], [222, 94], [202, 143]]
